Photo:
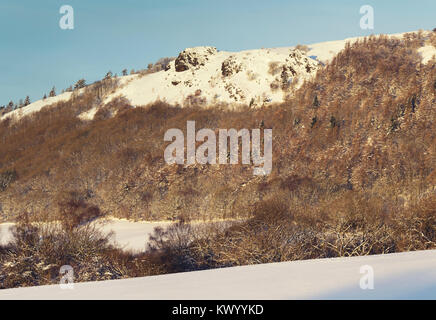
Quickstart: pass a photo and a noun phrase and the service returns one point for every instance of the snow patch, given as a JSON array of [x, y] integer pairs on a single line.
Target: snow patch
[[36, 106], [427, 53], [88, 115], [131, 235]]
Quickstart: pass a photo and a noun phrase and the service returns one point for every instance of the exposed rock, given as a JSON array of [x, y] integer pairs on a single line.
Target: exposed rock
[[192, 58], [234, 92], [297, 64], [230, 66]]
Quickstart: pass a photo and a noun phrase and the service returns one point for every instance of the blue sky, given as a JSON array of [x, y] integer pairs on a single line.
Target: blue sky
[[36, 54]]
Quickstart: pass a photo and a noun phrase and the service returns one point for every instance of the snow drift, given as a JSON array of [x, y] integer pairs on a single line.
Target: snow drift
[[409, 275]]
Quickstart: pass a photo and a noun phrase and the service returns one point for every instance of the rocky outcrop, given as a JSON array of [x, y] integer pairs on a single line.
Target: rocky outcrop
[[297, 64], [192, 58], [207, 76], [230, 66]]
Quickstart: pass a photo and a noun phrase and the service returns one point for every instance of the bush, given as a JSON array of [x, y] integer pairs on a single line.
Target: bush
[[38, 251], [74, 211], [274, 234], [274, 68], [6, 178], [302, 48]]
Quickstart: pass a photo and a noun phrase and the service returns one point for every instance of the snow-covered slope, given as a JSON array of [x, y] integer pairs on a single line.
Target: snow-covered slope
[[204, 75], [427, 53], [396, 276], [326, 51], [36, 106]]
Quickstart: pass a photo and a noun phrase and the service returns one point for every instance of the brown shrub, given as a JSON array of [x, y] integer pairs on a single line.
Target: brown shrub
[[38, 251], [274, 68]]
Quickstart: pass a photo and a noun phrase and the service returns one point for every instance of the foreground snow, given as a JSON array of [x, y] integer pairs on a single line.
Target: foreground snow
[[409, 275]]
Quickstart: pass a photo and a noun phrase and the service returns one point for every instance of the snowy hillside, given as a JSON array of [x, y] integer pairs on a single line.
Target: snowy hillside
[[205, 75], [37, 106], [396, 276]]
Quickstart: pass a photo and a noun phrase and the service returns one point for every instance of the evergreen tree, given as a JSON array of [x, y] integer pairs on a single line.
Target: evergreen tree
[[52, 92], [333, 122], [108, 75], [27, 101], [80, 84], [316, 103], [124, 72]]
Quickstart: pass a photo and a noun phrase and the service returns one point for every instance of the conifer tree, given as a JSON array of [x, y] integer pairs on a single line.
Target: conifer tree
[[52, 92], [108, 75], [316, 103], [80, 84]]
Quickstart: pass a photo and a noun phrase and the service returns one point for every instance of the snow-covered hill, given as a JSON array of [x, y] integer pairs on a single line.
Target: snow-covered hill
[[409, 275], [205, 75]]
